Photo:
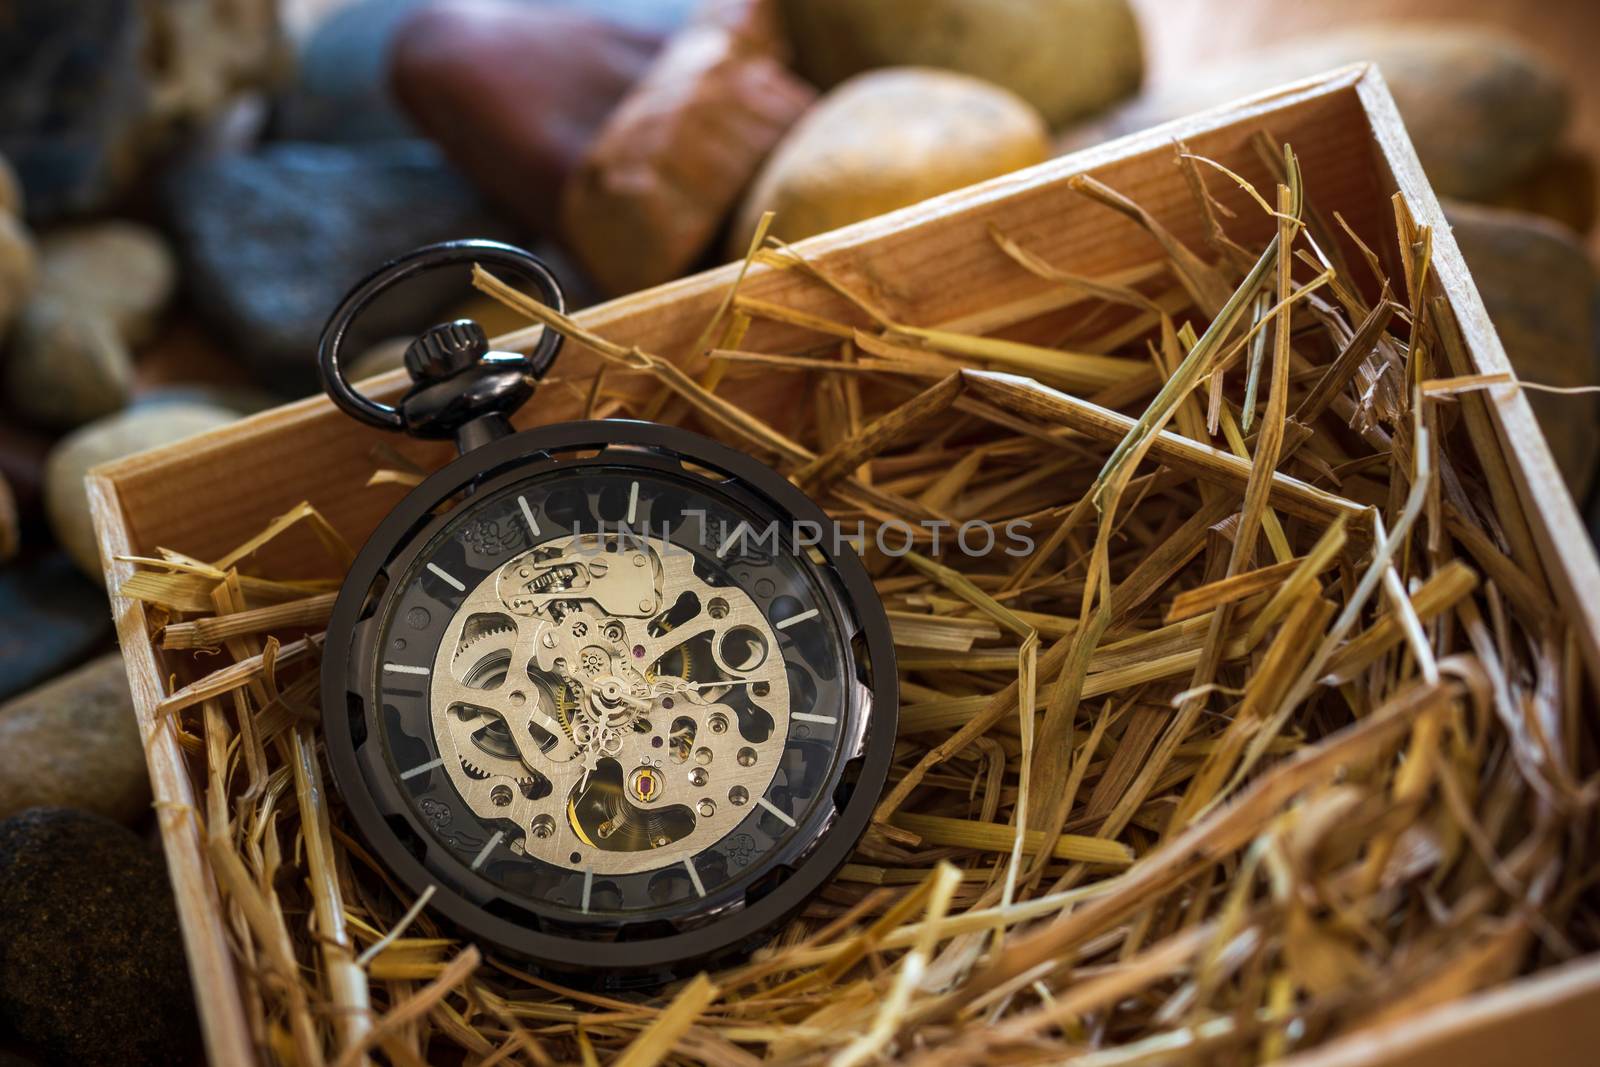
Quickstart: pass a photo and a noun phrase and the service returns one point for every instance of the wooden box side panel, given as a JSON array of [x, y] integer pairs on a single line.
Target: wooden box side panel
[[932, 263], [1546, 1020], [1558, 531], [212, 968]]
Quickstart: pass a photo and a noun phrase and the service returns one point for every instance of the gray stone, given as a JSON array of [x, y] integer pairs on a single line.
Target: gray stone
[[269, 242], [18, 268], [119, 269], [74, 742], [338, 93], [65, 500], [92, 968], [51, 619], [67, 366], [244, 399]]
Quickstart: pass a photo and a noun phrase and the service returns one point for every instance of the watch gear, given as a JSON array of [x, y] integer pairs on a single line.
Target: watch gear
[[594, 663]]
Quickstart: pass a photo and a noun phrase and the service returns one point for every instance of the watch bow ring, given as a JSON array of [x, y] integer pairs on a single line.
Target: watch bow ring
[[604, 686]]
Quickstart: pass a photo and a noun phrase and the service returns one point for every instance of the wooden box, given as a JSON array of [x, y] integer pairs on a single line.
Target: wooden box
[[930, 264]]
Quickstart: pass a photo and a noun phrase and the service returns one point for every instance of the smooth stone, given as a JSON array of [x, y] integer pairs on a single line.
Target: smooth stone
[[380, 358], [270, 241], [10, 189], [339, 92], [185, 352], [886, 139], [10, 523], [514, 93], [22, 455], [1539, 287], [241, 399], [68, 366], [654, 16], [52, 618], [74, 742], [670, 164], [92, 967], [1068, 58], [94, 93], [19, 269], [1481, 109], [73, 97], [1562, 188], [121, 269], [124, 434]]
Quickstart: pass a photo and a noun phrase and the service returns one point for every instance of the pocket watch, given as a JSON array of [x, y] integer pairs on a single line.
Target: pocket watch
[[605, 687]]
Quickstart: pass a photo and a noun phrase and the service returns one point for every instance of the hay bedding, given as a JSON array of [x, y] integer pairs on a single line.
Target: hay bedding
[[1277, 734]]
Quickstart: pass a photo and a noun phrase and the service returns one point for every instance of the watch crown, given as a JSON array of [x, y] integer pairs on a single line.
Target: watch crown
[[443, 350]]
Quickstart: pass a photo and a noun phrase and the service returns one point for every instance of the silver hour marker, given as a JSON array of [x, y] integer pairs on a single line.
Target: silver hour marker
[[405, 668], [422, 769], [794, 620], [694, 875], [484, 854], [779, 812], [588, 884], [633, 502], [806, 716], [527, 514], [446, 577]]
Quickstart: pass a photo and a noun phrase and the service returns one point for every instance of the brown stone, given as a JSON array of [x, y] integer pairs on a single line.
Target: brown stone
[[22, 457], [884, 140], [10, 523], [1540, 289], [1068, 58], [18, 268], [10, 190], [513, 94], [74, 742], [1562, 188], [1482, 109], [670, 163]]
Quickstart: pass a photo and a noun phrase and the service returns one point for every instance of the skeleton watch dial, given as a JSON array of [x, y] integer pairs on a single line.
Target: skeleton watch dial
[[609, 689]]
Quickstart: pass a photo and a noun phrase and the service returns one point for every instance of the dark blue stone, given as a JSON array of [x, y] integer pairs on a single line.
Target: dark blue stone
[[72, 96], [271, 241], [52, 619]]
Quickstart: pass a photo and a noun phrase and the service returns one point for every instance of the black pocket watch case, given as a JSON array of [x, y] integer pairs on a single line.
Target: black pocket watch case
[[606, 687]]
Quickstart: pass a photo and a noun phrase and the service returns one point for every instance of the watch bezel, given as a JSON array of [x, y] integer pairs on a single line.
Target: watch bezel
[[401, 533]]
